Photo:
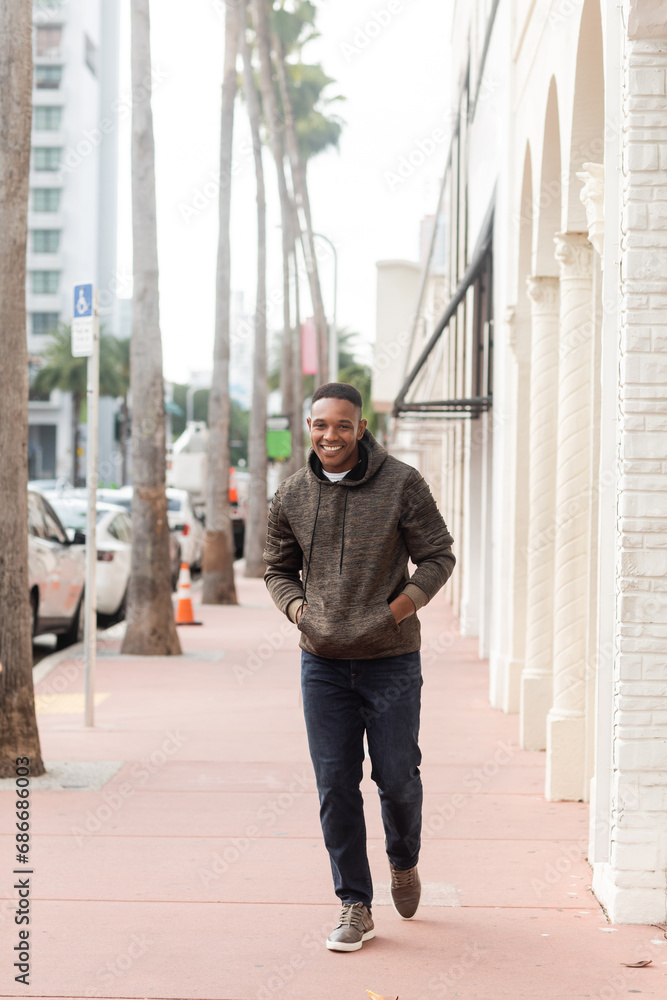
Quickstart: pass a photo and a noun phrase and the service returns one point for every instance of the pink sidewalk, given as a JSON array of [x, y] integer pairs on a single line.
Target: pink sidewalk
[[198, 871]]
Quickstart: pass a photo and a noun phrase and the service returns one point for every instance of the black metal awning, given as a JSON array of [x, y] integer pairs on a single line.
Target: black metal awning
[[472, 406]]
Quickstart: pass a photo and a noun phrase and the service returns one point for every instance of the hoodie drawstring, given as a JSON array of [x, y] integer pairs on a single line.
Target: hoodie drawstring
[[310, 550], [342, 541]]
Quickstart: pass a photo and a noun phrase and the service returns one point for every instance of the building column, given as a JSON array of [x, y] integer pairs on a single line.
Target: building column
[[510, 610], [600, 480], [631, 884], [537, 678], [566, 722]]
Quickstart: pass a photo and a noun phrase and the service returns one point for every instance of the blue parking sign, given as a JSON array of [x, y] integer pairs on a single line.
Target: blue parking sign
[[83, 300], [83, 321]]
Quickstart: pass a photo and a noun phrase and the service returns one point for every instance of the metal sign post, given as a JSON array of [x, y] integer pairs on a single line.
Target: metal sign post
[[86, 343]]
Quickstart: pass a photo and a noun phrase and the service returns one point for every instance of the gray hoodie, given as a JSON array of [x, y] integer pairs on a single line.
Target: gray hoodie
[[341, 550]]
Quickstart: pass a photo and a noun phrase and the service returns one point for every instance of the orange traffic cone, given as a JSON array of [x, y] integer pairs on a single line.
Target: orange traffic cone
[[184, 612]]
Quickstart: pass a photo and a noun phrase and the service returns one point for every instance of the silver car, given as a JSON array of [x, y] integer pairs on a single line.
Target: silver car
[[113, 543], [56, 574]]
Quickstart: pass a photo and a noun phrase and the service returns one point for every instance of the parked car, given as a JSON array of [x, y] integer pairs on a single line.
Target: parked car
[[113, 541], [56, 574], [123, 498], [50, 485]]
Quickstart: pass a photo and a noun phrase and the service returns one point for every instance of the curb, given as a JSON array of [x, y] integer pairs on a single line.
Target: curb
[[50, 662], [76, 650]]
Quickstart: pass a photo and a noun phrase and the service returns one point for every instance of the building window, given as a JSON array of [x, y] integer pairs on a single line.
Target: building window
[[48, 41], [45, 199], [41, 323], [45, 282], [45, 240], [47, 157], [47, 117], [48, 77]]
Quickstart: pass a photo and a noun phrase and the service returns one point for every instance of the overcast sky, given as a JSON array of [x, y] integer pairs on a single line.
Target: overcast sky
[[390, 61]]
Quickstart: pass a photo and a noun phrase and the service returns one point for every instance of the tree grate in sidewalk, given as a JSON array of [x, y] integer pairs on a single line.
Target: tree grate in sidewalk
[[71, 775], [433, 894]]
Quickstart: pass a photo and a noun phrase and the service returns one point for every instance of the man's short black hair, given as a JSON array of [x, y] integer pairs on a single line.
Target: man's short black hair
[[338, 390]]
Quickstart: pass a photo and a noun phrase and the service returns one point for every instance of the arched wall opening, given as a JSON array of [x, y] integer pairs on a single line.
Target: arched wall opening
[[525, 222], [587, 137], [549, 201]]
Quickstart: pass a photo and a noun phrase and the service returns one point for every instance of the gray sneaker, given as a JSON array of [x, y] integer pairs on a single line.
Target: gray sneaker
[[355, 925], [406, 890]]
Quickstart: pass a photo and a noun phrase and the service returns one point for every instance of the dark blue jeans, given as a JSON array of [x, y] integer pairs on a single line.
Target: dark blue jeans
[[341, 700]]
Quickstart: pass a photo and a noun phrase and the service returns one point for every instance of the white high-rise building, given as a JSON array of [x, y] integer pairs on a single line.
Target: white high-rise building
[[73, 200]]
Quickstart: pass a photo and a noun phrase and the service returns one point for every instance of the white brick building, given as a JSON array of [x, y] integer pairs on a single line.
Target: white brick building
[[537, 403]]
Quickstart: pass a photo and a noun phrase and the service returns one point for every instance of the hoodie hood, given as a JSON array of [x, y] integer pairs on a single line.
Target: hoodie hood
[[374, 454]]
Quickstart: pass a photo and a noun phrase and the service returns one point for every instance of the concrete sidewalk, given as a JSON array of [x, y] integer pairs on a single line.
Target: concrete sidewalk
[[183, 857]]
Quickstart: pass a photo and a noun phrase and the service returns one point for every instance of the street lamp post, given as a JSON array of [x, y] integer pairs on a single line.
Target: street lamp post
[[333, 330]]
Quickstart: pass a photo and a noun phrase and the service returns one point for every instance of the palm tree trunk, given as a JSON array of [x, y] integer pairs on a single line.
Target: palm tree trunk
[[297, 431], [150, 618], [75, 420], [123, 441], [286, 380], [274, 124], [19, 736], [257, 504], [298, 170], [218, 576]]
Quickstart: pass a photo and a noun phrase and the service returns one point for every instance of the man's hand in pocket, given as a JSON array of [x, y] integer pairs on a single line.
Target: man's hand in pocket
[[402, 607]]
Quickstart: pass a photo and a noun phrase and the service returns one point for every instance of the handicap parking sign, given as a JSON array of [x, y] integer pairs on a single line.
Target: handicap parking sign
[[83, 300], [83, 329]]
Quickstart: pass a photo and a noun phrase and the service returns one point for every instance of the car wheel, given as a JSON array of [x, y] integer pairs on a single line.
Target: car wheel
[[81, 619], [122, 608], [34, 604], [75, 631]]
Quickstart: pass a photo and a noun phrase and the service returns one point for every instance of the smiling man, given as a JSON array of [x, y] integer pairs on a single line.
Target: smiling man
[[341, 531]]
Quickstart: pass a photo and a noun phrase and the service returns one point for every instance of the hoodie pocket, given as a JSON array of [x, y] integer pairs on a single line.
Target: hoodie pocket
[[390, 617], [369, 631]]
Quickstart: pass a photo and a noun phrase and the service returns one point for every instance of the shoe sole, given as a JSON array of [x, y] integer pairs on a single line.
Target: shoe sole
[[344, 946]]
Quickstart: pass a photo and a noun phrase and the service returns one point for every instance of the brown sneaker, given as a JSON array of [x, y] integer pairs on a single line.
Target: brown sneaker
[[355, 925], [406, 890]]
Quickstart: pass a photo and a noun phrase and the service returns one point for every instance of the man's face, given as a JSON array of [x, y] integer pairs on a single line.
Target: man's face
[[335, 428]]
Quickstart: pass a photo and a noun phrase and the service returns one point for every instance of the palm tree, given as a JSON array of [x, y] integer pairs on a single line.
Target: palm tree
[[273, 121], [257, 504], [219, 551], [297, 374], [287, 31], [287, 354], [19, 736], [150, 619], [61, 371]]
